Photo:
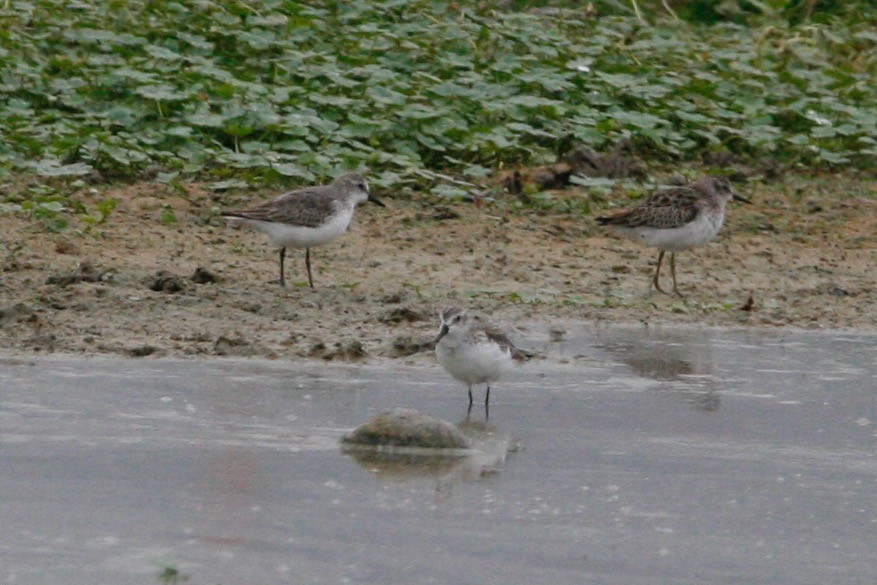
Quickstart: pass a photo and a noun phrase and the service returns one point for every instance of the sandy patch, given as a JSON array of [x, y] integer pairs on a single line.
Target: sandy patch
[[807, 258]]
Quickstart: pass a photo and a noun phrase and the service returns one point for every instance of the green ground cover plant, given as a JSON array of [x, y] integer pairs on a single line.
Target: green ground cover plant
[[278, 91]]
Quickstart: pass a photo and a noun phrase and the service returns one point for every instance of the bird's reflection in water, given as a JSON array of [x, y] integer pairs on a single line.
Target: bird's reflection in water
[[684, 361]]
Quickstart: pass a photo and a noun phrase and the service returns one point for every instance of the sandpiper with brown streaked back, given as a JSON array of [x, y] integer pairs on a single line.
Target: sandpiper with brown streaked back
[[677, 218], [307, 217], [473, 351]]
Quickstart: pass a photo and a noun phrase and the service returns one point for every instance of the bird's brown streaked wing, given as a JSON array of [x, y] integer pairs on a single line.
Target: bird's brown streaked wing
[[668, 208], [501, 339], [685, 195], [306, 207]]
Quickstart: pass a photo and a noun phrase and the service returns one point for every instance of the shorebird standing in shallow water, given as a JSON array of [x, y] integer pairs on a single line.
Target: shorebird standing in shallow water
[[307, 217], [473, 351], [675, 219]]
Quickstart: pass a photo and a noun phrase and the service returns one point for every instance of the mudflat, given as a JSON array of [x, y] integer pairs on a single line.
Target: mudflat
[[164, 274]]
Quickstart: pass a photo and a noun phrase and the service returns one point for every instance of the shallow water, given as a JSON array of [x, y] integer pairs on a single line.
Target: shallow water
[[639, 456]]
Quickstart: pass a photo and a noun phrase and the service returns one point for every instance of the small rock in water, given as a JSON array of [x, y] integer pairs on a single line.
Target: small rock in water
[[557, 334], [405, 427]]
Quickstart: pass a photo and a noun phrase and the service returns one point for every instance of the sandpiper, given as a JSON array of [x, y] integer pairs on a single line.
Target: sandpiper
[[307, 217], [473, 351], [674, 219]]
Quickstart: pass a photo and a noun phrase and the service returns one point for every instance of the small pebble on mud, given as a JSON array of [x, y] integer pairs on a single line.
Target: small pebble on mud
[[403, 315], [351, 351], [14, 313], [164, 281], [85, 272], [405, 346], [141, 350], [203, 276], [234, 346]]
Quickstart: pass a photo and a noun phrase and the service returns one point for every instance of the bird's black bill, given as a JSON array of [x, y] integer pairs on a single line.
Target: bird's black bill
[[375, 200], [442, 333], [741, 199]]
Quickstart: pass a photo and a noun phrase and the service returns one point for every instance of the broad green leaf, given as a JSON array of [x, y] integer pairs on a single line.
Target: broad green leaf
[[53, 168]]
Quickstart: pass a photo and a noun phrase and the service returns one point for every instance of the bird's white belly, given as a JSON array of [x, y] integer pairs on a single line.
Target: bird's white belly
[[698, 232], [284, 234], [481, 363]]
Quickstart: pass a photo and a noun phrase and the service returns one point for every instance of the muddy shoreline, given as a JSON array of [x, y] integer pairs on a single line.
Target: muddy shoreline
[[140, 286]]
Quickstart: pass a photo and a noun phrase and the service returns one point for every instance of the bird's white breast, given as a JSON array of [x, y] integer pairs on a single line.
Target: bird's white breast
[[473, 363], [288, 234], [701, 230]]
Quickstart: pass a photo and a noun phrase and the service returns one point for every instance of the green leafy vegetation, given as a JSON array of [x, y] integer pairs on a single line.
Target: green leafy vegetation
[[168, 217], [275, 91]]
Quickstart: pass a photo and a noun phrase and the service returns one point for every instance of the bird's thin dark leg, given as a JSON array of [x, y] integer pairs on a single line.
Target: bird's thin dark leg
[[308, 266], [673, 272], [282, 256], [487, 404], [470, 396], [656, 280]]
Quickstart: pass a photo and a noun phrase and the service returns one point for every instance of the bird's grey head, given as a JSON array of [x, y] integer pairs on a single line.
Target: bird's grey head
[[354, 185], [721, 187], [453, 319]]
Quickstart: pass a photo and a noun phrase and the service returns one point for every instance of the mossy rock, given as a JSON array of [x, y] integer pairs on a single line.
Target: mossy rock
[[406, 428]]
